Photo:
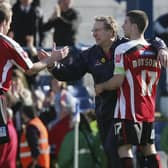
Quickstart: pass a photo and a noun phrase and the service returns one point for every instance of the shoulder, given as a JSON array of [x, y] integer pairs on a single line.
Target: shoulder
[[73, 11], [129, 45], [10, 42], [91, 51], [120, 40], [124, 47], [16, 6], [95, 48]]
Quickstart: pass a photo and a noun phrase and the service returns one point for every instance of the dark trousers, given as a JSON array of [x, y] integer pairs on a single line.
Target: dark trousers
[[106, 129]]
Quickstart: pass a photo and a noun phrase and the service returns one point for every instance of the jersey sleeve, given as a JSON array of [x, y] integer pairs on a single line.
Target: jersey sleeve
[[119, 61], [17, 55], [20, 57]]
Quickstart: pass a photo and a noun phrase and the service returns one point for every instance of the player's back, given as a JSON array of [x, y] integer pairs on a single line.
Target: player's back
[[138, 91]]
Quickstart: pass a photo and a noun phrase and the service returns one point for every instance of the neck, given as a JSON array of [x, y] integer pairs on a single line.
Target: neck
[[1, 30], [137, 36], [106, 46]]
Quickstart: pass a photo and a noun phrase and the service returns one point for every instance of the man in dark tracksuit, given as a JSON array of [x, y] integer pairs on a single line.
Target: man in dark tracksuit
[[99, 62]]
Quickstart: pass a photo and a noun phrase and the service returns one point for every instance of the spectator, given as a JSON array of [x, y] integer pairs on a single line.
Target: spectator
[[19, 95], [90, 154], [65, 20], [163, 139], [46, 112], [63, 123], [161, 30], [12, 54], [161, 27], [8, 151], [26, 24], [34, 146]]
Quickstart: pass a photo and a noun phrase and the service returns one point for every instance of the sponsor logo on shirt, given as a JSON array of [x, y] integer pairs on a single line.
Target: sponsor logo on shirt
[[146, 53], [118, 58], [103, 60]]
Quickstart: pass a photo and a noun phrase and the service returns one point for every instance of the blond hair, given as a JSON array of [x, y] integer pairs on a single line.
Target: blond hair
[[5, 11], [109, 23]]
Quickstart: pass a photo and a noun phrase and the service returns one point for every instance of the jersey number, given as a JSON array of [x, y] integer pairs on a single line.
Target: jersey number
[[148, 78]]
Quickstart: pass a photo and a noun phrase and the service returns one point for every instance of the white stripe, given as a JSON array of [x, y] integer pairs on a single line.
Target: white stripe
[[44, 140], [2, 111], [45, 151], [20, 52], [24, 144], [25, 154], [116, 109], [132, 98], [6, 68], [122, 104], [84, 151]]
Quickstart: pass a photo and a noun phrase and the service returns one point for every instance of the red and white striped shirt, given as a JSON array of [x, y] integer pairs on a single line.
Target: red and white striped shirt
[[136, 97], [11, 54]]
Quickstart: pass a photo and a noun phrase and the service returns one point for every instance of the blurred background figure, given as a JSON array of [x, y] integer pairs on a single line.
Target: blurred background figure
[[44, 106], [161, 27], [161, 30], [57, 88], [20, 95], [65, 21], [90, 152], [34, 146], [8, 151], [26, 24], [8, 1], [60, 127], [26, 27]]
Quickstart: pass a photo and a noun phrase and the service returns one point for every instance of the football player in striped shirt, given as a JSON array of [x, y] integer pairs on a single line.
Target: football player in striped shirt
[[136, 75]]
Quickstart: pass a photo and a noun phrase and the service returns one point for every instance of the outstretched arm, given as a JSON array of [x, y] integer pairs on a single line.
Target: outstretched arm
[[47, 60]]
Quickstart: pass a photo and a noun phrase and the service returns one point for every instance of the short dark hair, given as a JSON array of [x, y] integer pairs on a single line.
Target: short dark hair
[[5, 11], [140, 18]]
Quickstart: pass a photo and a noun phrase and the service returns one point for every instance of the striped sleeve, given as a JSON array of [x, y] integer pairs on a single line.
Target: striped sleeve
[[119, 61]]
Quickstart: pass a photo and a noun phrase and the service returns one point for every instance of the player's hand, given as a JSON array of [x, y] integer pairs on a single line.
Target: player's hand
[[60, 53], [98, 89], [163, 57], [42, 54]]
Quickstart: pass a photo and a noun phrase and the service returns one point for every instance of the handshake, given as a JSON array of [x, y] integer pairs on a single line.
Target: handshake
[[55, 56]]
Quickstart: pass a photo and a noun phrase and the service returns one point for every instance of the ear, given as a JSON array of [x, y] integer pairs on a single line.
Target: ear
[[111, 33], [135, 27], [2, 23]]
